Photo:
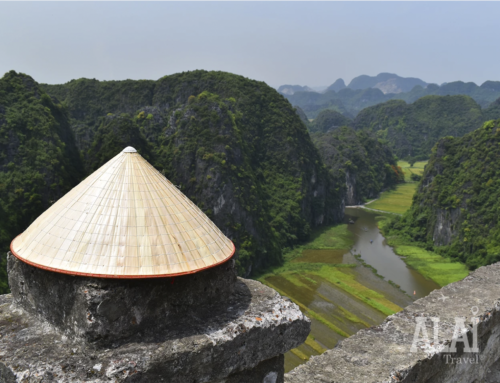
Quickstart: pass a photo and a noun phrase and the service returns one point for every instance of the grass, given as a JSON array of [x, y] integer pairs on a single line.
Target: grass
[[325, 238], [399, 200], [395, 201], [418, 168]]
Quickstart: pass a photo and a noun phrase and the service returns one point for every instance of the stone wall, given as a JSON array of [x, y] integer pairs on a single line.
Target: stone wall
[[384, 353]]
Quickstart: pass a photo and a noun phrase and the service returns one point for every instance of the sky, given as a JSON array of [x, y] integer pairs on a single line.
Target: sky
[[304, 43]]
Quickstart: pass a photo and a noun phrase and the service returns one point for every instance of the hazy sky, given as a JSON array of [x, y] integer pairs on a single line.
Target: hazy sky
[[302, 43]]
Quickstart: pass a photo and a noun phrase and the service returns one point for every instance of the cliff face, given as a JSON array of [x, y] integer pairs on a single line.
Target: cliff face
[[457, 204], [359, 163], [234, 146]]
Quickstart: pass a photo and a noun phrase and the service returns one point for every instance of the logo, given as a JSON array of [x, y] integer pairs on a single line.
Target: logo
[[462, 333]]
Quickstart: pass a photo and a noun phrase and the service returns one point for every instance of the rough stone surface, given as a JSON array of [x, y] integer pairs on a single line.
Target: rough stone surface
[[214, 344], [382, 353], [268, 371], [107, 311]]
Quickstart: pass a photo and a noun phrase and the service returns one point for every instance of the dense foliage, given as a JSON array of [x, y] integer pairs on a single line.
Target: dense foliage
[[329, 119], [413, 129], [113, 134], [359, 162], [302, 116], [39, 161], [456, 209], [87, 101], [234, 146], [492, 112]]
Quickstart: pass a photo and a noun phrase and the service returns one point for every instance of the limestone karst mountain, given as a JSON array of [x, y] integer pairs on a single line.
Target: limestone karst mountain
[[386, 82], [455, 209], [413, 129], [233, 146]]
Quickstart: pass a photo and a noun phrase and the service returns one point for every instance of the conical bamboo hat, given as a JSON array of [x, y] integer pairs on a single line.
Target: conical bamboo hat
[[126, 220]]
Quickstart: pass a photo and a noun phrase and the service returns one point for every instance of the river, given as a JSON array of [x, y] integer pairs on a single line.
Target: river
[[381, 256], [339, 294]]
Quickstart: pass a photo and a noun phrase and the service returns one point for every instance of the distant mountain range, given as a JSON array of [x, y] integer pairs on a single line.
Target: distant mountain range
[[365, 91], [386, 82]]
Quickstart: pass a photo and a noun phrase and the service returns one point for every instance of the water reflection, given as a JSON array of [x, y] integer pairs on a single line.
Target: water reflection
[[374, 250]]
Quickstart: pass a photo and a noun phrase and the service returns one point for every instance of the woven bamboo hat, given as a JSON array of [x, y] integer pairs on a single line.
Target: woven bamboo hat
[[126, 220]]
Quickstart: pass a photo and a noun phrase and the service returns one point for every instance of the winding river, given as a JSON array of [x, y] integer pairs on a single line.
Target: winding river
[[336, 311], [381, 256]]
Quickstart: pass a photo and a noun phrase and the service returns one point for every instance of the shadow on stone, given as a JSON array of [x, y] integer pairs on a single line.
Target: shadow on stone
[[110, 312]]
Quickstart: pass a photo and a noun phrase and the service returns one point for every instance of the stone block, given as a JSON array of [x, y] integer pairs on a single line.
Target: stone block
[[108, 311]]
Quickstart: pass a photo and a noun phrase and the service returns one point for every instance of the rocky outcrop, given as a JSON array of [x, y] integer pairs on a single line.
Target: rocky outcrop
[[360, 165], [389, 353], [446, 227]]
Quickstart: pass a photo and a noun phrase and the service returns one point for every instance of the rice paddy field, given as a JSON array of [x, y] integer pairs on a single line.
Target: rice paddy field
[[399, 200], [417, 168], [395, 201], [338, 293]]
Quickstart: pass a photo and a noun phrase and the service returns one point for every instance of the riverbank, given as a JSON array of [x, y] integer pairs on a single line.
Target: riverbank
[[441, 270], [338, 293], [429, 264]]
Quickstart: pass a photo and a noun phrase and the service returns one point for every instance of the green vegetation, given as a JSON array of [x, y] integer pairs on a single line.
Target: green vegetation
[[455, 211], [413, 129], [302, 266], [302, 116], [399, 199], [305, 273], [38, 158], [412, 170], [329, 119], [431, 265], [358, 161], [395, 201]]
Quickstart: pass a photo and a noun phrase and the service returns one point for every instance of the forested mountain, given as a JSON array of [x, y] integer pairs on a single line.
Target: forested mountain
[[456, 210], [234, 146], [302, 116], [39, 161], [413, 129], [360, 164], [329, 119], [492, 112], [357, 96]]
